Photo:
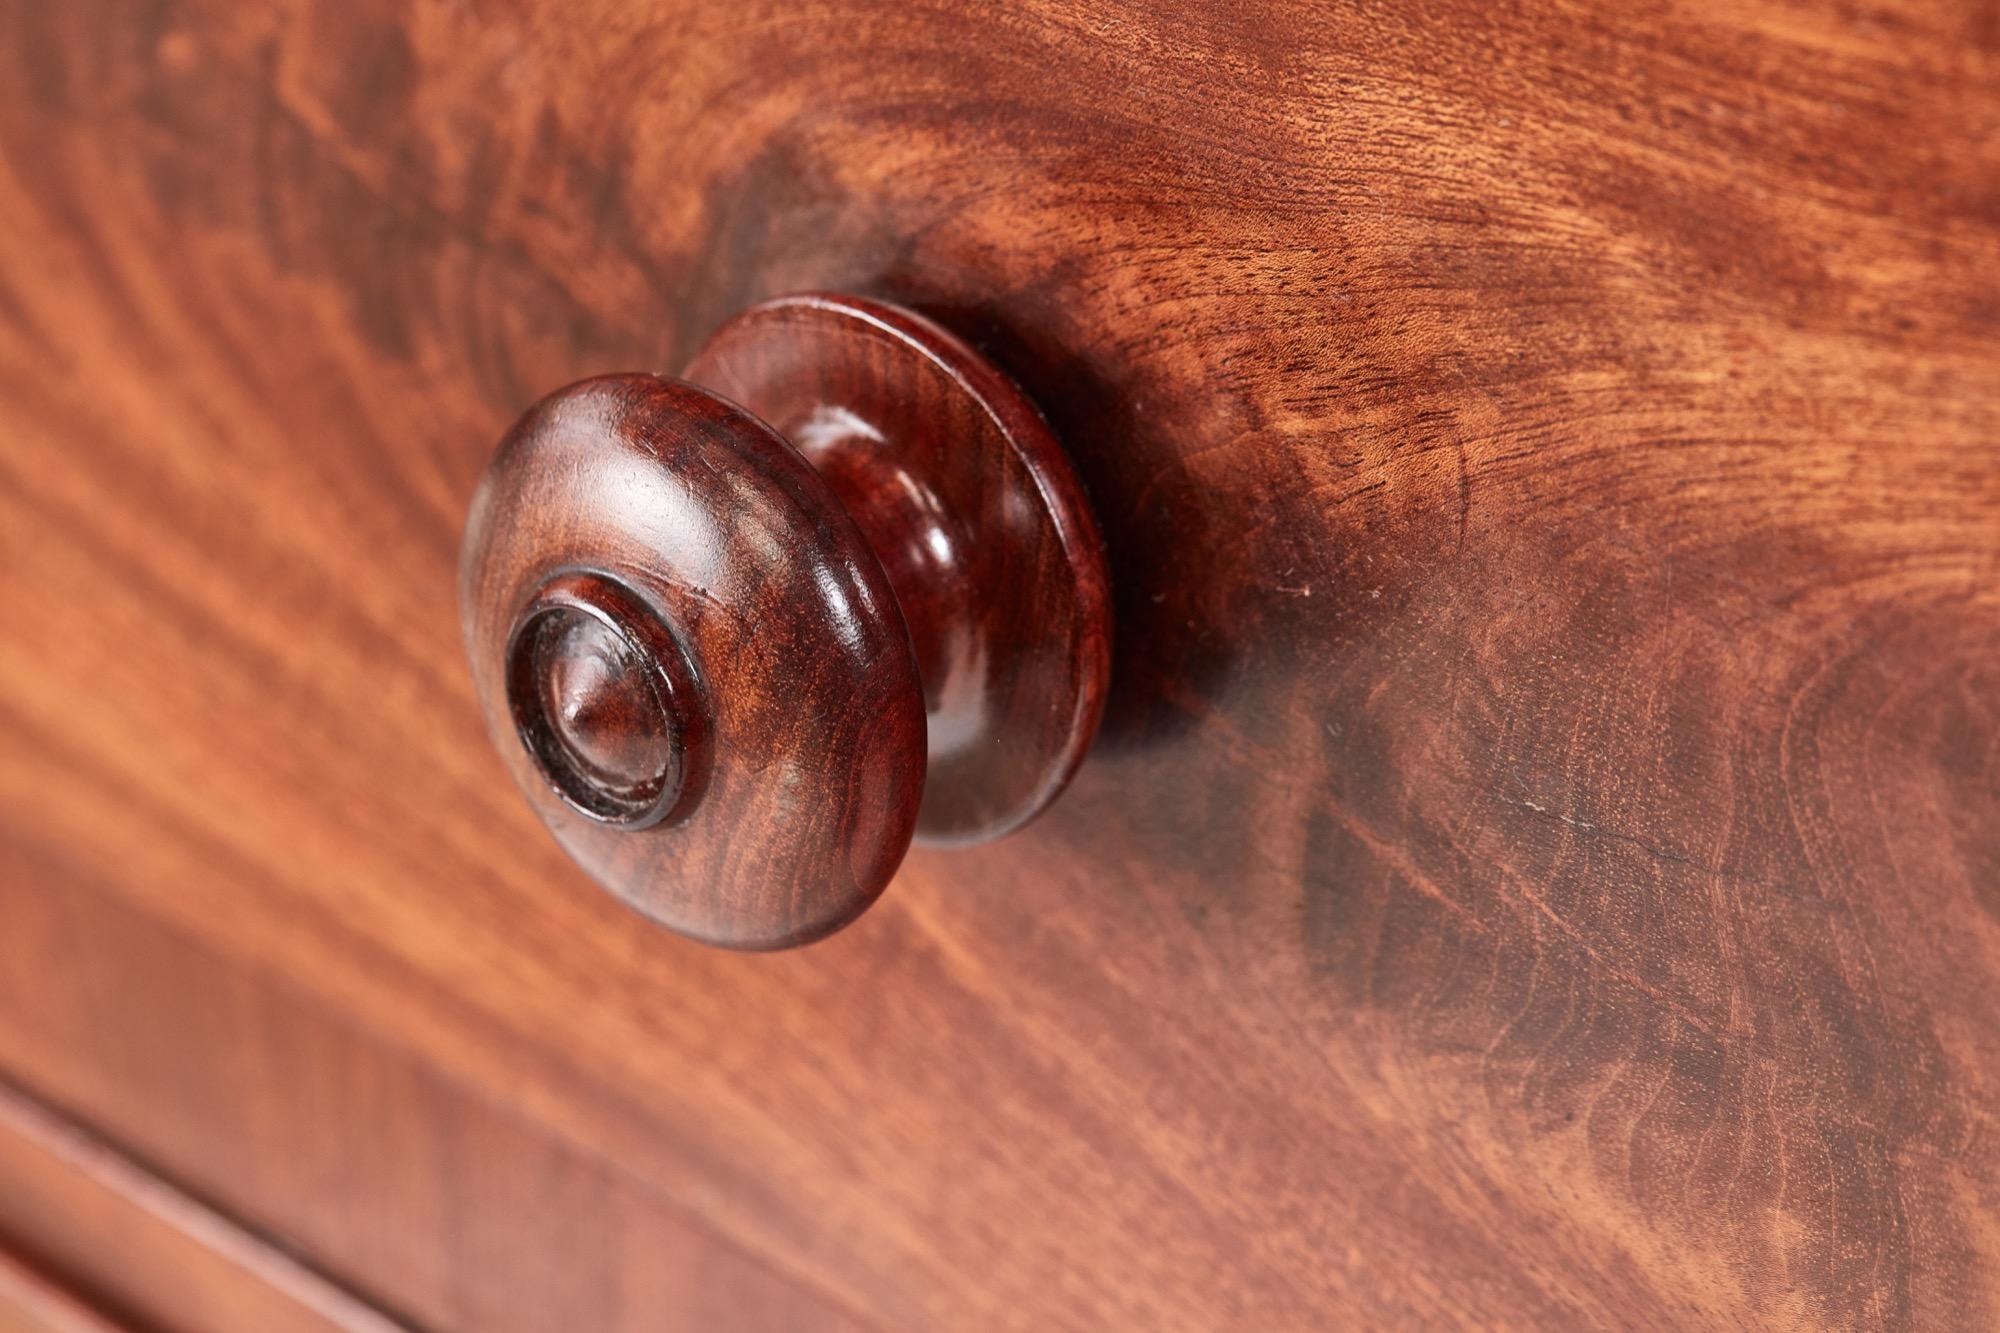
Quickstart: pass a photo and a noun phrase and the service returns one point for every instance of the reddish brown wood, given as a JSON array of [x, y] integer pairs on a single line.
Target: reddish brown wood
[[605, 701], [97, 1224], [1538, 868], [301, 1120], [967, 501], [715, 662], [709, 529], [33, 1302]]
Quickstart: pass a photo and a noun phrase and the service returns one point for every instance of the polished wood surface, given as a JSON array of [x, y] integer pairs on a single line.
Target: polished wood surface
[[33, 1302], [714, 532], [1539, 864], [977, 519], [388, 1171], [600, 695], [107, 1235], [735, 659]]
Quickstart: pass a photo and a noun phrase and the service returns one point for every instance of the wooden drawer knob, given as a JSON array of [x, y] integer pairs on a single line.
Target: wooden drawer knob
[[741, 635]]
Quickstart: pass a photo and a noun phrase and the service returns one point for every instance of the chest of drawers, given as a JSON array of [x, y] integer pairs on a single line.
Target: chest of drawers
[[1538, 860]]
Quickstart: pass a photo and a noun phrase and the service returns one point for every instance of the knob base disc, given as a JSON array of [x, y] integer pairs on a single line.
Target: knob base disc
[[972, 509]]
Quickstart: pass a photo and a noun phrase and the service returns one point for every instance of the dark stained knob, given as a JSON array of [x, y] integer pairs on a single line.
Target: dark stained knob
[[741, 636]]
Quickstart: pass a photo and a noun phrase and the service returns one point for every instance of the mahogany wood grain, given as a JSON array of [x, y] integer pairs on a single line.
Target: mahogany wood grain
[[1540, 864], [307, 1126], [33, 1302], [122, 1239]]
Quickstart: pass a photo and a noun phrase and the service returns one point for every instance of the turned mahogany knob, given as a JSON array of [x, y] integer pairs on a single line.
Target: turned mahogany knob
[[742, 635]]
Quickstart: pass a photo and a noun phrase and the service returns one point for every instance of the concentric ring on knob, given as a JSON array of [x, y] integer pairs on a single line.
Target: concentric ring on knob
[[604, 698]]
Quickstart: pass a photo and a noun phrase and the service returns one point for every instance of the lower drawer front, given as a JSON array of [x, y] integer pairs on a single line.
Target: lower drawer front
[[32, 1301], [90, 1240]]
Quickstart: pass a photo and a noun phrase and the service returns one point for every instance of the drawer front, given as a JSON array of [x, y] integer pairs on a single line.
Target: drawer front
[[1538, 865], [90, 1239], [33, 1302]]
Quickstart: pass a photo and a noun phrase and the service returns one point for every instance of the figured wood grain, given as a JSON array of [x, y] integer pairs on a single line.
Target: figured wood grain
[[303, 1126], [1541, 861], [136, 1243]]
